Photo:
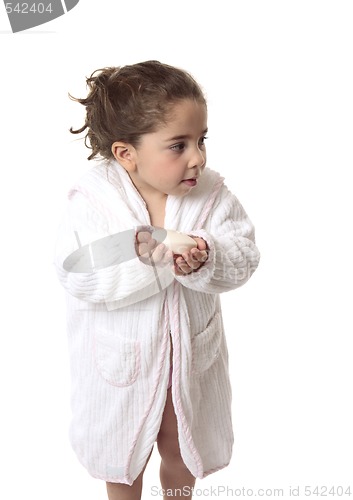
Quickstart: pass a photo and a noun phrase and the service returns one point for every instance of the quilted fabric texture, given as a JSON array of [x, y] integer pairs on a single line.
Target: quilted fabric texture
[[123, 319]]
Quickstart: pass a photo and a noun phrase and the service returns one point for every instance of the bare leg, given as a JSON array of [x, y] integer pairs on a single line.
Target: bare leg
[[118, 491], [175, 476]]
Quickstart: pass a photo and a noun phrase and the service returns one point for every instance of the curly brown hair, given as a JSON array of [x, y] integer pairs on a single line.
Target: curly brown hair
[[126, 102]]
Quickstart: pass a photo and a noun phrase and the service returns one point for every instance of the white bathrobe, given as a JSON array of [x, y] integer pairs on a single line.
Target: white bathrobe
[[123, 320]]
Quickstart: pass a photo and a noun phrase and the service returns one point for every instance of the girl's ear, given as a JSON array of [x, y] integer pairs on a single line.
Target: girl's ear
[[124, 154]]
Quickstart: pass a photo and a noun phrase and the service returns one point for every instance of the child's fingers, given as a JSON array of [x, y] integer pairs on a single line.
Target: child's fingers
[[200, 255], [181, 267], [154, 255], [146, 248], [191, 261], [143, 236], [168, 257], [144, 243], [201, 244], [158, 253], [195, 258]]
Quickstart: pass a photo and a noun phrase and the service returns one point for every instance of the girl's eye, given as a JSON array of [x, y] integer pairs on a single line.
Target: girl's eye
[[178, 147]]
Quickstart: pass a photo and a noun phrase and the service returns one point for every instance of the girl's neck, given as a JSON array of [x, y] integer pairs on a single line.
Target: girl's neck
[[156, 209]]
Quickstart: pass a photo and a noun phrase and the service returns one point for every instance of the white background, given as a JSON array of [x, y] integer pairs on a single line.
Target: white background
[[278, 77]]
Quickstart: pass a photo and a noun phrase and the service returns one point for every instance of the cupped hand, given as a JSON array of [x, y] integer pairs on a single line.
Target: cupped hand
[[191, 260], [150, 251]]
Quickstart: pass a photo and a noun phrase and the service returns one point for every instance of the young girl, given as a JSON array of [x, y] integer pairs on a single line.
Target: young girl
[[148, 352]]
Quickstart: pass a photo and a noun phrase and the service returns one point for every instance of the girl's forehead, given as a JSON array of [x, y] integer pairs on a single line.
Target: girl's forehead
[[186, 106], [188, 114]]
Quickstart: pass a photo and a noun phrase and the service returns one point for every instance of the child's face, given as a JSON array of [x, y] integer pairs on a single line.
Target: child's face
[[170, 160]]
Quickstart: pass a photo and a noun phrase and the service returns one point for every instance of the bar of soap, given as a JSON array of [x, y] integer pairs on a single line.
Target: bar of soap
[[175, 241]]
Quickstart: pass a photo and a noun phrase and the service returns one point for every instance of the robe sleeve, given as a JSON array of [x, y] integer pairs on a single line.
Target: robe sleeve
[[117, 285], [233, 255]]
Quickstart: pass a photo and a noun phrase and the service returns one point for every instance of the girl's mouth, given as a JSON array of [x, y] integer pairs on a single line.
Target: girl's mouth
[[190, 182]]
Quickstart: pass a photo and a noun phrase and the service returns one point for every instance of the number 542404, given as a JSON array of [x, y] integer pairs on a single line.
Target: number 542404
[[26, 8]]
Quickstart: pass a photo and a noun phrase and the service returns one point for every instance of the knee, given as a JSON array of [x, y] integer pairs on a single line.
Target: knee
[[170, 456]]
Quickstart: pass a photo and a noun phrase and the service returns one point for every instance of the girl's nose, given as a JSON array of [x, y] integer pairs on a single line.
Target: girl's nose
[[198, 159]]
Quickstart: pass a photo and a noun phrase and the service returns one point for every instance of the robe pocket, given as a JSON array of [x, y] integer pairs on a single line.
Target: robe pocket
[[117, 358], [206, 345]]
